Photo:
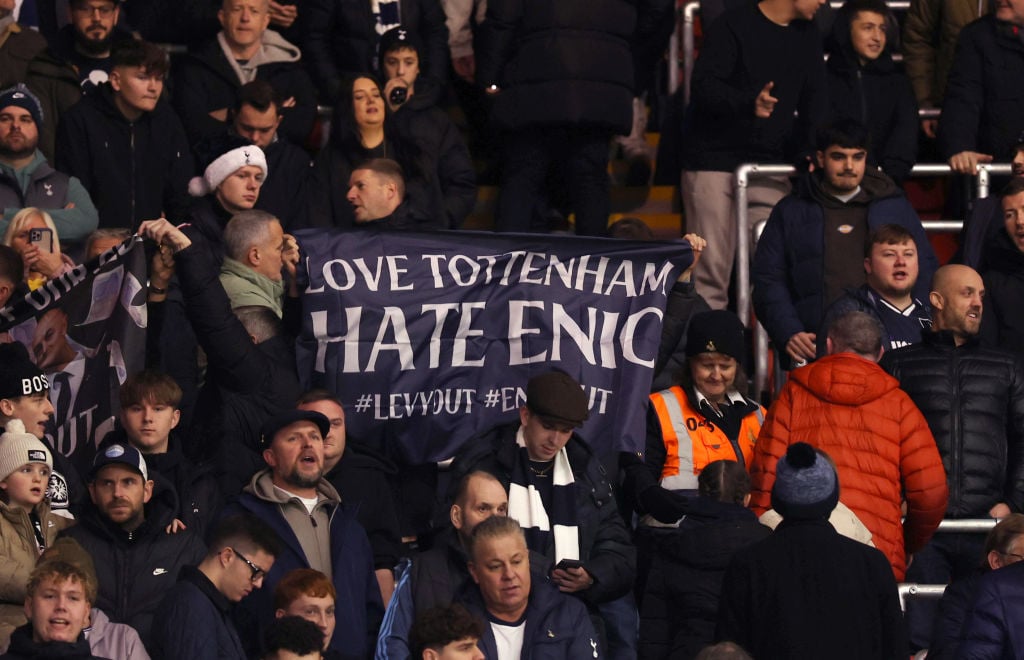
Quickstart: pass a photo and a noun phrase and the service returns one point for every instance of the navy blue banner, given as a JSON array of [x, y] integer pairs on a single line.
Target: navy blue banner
[[431, 338], [86, 329]]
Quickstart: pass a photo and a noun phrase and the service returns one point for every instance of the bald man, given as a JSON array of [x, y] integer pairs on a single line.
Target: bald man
[[973, 400]]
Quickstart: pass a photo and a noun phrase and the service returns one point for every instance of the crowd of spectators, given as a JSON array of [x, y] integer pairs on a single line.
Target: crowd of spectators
[[226, 513]]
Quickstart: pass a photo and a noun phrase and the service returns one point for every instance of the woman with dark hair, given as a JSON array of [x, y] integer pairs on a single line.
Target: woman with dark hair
[[362, 129]]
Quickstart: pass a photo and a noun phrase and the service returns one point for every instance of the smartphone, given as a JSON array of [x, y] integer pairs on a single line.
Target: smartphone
[[43, 237], [566, 564]]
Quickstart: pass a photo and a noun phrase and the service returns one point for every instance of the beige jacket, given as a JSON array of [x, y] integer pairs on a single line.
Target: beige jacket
[[930, 31], [18, 555]]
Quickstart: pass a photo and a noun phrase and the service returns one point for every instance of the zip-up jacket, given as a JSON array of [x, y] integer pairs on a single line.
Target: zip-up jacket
[[358, 607], [973, 400], [557, 626], [136, 569], [606, 548], [18, 556], [884, 455], [983, 109], [134, 170], [789, 264]]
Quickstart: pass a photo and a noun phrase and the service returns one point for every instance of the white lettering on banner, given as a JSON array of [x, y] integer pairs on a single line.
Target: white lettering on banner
[[459, 341], [340, 275], [596, 340], [405, 404], [458, 401], [599, 275]]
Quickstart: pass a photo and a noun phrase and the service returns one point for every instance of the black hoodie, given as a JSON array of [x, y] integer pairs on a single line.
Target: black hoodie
[[133, 170], [877, 95]]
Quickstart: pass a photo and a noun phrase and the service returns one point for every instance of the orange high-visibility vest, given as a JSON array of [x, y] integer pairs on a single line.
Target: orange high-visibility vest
[[692, 440]]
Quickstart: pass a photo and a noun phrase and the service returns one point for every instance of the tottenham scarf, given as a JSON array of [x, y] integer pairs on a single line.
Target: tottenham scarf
[[541, 515]]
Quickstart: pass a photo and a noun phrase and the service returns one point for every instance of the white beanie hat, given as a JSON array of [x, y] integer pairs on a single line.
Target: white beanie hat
[[18, 447]]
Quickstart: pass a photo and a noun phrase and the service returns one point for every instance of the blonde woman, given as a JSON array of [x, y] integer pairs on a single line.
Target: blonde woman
[[43, 258]]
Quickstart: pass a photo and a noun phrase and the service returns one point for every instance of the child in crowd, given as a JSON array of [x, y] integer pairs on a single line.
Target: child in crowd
[[149, 415], [309, 594], [446, 633], [27, 526]]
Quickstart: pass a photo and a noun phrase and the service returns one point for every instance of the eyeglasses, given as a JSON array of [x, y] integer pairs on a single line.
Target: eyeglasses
[[1014, 555], [257, 572], [104, 11]]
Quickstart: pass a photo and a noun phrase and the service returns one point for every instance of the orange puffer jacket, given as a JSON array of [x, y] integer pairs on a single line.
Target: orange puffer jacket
[[851, 409]]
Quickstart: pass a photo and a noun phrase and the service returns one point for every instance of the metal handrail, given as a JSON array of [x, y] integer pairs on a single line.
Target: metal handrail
[[915, 590], [690, 10], [744, 173], [688, 18], [743, 248]]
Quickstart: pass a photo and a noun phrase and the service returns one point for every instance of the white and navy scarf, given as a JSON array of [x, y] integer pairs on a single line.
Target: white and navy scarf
[[526, 505]]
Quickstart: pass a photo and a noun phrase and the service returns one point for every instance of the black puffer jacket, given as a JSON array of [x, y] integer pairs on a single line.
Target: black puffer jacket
[[246, 383], [876, 94], [973, 400], [559, 62], [199, 497], [136, 569]]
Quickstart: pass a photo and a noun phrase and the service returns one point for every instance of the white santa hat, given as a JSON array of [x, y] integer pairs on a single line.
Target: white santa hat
[[226, 164]]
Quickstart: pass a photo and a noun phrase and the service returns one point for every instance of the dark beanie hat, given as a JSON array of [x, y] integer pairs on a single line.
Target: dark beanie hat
[[395, 38], [806, 484], [718, 331], [19, 376], [21, 97]]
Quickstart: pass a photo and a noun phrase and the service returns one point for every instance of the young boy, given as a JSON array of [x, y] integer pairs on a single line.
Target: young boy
[[292, 638], [446, 633], [25, 396], [149, 414], [58, 604], [309, 594], [27, 526]]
